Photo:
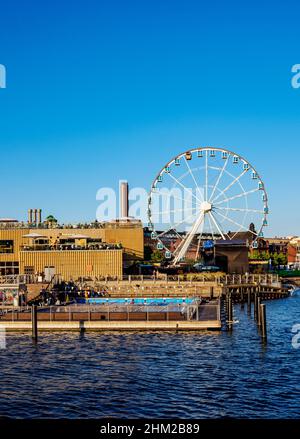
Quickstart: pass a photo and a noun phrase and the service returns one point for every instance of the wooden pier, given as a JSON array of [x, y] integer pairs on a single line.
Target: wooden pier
[[198, 316]]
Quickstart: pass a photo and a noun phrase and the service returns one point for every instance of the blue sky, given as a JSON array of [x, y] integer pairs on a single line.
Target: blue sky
[[99, 91]]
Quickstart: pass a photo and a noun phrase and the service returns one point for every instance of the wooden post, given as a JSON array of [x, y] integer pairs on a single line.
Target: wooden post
[[258, 312], [249, 301], [226, 304], [34, 322], [211, 293], [263, 321], [255, 306], [230, 312]]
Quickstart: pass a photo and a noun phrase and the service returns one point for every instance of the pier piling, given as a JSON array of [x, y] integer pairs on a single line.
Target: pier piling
[[249, 301], [263, 321], [34, 322], [258, 312], [255, 306], [230, 313]]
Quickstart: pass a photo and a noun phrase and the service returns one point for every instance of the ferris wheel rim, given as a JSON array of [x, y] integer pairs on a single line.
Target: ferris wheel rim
[[207, 148]]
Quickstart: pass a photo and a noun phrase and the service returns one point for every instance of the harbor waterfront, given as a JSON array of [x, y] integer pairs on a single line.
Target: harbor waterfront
[[152, 305], [184, 374], [149, 219]]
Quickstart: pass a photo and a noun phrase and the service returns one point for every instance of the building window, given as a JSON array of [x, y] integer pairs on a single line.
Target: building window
[[6, 246], [7, 268], [28, 270]]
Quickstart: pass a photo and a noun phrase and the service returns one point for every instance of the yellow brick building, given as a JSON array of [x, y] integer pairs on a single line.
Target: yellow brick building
[[70, 253]]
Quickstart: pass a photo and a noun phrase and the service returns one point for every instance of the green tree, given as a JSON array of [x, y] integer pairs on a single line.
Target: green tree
[[265, 256], [279, 259], [254, 255], [156, 256], [50, 221]]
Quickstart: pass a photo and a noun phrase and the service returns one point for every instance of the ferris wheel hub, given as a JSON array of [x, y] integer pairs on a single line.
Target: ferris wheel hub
[[205, 207]]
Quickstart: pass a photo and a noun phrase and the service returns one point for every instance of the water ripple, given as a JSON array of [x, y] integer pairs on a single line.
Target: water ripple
[[185, 375]]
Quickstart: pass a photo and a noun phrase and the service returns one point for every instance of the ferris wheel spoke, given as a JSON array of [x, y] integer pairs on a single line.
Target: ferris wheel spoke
[[236, 223], [219, 178], [242, 194], [172, 211], [188, 239], [184, 187], [206, 175], [166, 194], [211, 228], [193, 177], [199, 244], [216, 224], [240, 209], [173, 227], [230, 185]]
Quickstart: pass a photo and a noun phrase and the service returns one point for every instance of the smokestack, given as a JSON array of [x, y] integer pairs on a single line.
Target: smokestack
[[124, 199], [39, 216], [29, 216], [35, 216]]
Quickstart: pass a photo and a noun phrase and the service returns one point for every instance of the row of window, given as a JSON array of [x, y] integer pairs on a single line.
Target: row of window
[[6, 246], [7, 268]]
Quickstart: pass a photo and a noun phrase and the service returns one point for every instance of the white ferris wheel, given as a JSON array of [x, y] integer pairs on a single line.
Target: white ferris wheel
[[205, 193]]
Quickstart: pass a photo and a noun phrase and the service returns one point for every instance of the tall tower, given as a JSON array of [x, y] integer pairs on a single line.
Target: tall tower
[[39, 216], [30, 216], [123, 208], [35, 216]]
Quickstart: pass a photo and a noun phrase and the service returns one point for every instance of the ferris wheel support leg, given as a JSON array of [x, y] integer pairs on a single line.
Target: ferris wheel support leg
[[189, 238], [216, 224]]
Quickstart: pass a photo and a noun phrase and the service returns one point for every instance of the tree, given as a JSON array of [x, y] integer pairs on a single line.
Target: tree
[[156, 256], [50, 221], [279, 259], [254, 255]]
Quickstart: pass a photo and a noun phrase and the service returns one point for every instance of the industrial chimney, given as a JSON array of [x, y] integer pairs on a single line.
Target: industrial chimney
[[123, 199], [39, 216], [29, 216], [35, 216]]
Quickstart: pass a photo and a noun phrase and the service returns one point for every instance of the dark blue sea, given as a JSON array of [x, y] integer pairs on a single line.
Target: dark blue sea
[[163, 374]]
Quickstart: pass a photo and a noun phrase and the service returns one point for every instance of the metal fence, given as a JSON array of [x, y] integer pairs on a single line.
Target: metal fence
[[181, 278], [104, 312]]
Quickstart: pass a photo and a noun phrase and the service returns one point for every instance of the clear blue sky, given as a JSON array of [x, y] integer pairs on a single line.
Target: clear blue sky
[[99, 91]]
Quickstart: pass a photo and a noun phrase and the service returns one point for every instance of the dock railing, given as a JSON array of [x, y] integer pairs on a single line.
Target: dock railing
[[104, 312]]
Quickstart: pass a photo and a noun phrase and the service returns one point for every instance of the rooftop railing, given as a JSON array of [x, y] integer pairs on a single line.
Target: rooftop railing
[[63, 247]]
